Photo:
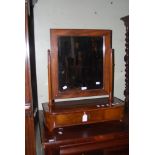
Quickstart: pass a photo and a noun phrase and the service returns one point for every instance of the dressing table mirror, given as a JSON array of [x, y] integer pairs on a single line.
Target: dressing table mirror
[[80, 79]]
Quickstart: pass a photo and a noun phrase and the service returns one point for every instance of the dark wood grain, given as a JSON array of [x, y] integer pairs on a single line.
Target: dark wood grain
[[28, 93], [111, 77], [30, 148], [49, 81], [106, 56], [69, 113], [80, 105], [31, 101], [108, 137], [60, 116]]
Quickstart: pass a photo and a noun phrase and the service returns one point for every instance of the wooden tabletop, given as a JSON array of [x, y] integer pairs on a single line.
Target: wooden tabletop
[[78, 105]]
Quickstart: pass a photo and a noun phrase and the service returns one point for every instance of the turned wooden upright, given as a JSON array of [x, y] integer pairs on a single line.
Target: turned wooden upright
[[49, 82], [126, 59]]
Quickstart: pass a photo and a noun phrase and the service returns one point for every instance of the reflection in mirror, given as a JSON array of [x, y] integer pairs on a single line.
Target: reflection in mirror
[[80, 62]]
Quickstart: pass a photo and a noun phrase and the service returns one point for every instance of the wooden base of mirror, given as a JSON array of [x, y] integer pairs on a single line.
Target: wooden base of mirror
[[82, 112]]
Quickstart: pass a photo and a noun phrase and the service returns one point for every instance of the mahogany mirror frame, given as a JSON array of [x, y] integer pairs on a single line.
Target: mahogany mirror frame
[[53, 82]]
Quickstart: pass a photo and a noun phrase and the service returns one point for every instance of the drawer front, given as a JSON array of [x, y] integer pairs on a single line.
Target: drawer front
[[97, 115], [68, 119], [105, 114]]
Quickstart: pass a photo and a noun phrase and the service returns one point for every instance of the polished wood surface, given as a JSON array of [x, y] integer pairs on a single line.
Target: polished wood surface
[[69, 113], [126, 59], [49, 81], [28, 93], [60, 114], [30, 82], [111, 77], [108, 138], [30, 147], [107, 72]]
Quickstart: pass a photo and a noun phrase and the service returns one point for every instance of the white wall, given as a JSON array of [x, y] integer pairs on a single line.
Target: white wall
[[85, 14]]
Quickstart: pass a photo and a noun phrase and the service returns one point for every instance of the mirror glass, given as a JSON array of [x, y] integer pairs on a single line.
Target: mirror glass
[[80, 62]]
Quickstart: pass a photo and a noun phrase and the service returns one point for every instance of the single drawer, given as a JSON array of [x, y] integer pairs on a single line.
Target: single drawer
[[86, 117]]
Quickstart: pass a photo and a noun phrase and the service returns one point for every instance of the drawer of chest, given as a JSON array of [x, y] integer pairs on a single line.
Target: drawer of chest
[[89, 116]]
